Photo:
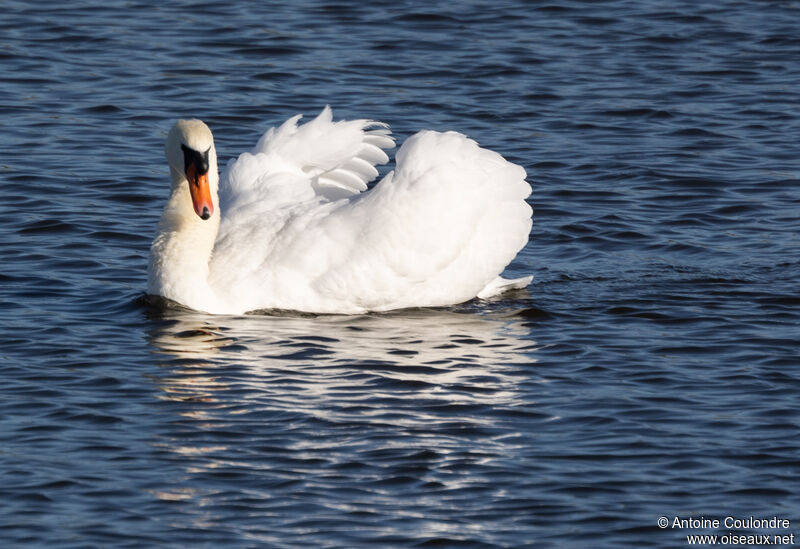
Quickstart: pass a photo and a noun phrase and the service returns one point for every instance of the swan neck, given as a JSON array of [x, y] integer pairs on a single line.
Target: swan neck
[[181, 251]]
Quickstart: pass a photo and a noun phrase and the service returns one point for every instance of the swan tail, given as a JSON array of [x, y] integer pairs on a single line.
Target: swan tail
[[502, 285]]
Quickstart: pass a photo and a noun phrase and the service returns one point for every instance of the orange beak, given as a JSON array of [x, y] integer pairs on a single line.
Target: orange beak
[[200, 191]]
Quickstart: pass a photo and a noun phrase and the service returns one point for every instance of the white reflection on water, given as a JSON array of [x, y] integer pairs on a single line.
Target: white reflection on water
[[317, 393], [435, 354]]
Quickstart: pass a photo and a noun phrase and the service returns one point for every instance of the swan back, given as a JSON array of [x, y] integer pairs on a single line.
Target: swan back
[[436, 231]]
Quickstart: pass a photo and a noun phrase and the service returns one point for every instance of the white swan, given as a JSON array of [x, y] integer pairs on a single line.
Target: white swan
[[290, 226]]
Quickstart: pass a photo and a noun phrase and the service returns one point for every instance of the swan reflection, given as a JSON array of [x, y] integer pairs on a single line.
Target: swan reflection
[[297, 402], [440, 354]]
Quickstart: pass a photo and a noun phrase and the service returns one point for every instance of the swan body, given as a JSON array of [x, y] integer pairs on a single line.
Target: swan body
[[292, 226]]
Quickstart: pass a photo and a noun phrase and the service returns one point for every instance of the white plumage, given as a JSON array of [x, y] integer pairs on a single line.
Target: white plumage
[[298, 230]]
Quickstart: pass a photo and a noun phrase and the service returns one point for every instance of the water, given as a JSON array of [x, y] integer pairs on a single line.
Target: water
[[650, 370]]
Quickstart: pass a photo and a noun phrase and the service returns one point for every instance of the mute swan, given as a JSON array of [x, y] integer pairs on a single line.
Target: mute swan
[[291, 225]]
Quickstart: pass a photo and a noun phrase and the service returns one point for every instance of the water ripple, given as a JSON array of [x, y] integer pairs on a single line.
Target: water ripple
[[648, 371]]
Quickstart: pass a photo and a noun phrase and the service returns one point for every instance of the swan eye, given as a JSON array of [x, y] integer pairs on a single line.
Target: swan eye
[[195, 158]]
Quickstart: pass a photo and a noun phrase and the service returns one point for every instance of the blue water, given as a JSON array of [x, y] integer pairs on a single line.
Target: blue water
[[650, 370]]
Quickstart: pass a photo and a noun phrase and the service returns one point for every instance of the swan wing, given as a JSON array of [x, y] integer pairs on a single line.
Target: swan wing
[[292, 170], [438, 230], [328, 159], [339, 155]]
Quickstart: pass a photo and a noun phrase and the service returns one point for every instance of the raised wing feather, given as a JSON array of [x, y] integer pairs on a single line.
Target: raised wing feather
[[334, 155]]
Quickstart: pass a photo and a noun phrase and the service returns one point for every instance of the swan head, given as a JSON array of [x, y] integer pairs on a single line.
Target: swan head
[[190, 153]]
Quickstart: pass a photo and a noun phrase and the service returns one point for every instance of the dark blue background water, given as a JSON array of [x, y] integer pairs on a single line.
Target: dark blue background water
[[651, 369]]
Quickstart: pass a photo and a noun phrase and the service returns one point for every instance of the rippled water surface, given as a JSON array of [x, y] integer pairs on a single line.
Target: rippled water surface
[[650, 370]]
